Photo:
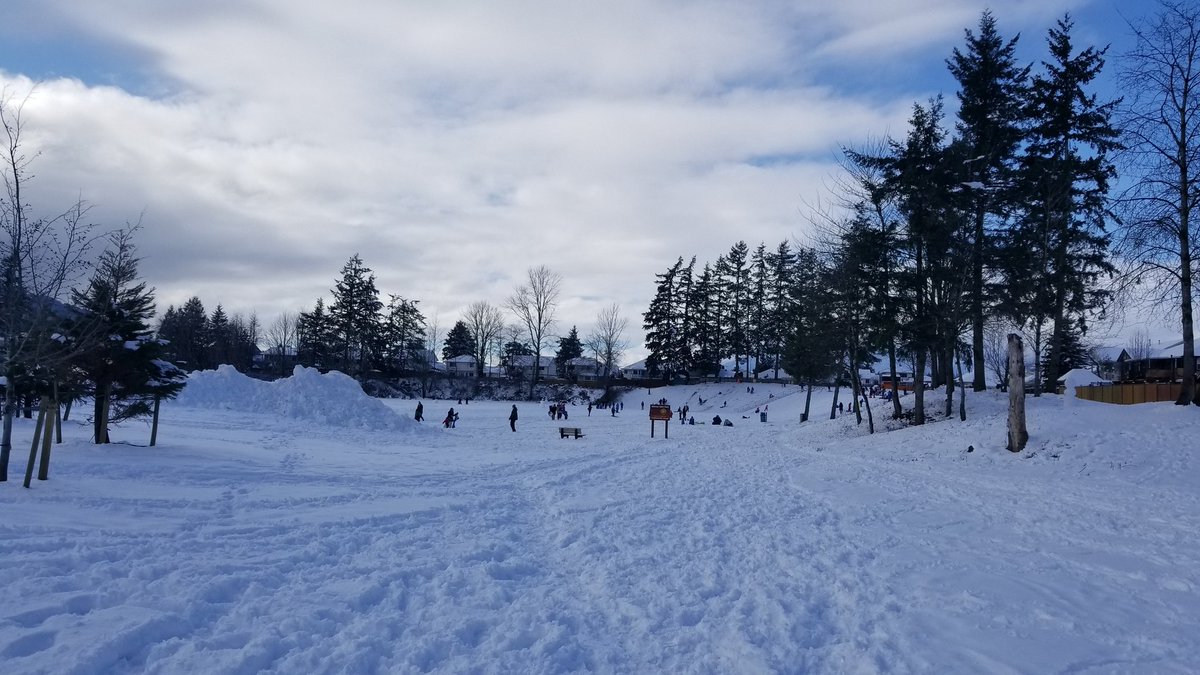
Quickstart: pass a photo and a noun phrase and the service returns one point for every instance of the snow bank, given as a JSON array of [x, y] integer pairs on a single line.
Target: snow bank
[[332, 399]]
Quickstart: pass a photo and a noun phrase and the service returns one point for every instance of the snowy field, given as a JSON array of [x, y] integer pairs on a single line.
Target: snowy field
[[302, 528]]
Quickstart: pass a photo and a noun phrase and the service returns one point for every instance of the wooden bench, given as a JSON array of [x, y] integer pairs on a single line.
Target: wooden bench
[[576, 432]]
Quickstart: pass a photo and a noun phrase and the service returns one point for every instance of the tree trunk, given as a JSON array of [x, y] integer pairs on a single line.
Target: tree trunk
[[919, 387], [807, 401], [1018, 435], [837, 389], [962, 393], [897, 411], [33, 448], [154, 424], [44, 463], [1187, 392], [6, 440], [979, 382]]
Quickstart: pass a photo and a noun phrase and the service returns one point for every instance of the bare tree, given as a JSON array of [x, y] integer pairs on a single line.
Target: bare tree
[[40, 258], [995, 351], [534, 303], [486, 323], [607, 339], [1140, 344], [282, 338], [1160, 79]]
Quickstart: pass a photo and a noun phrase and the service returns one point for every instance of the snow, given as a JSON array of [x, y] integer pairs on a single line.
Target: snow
[[260, 536]]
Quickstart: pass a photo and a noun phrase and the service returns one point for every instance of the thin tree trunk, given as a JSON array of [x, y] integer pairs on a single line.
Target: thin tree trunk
[[962, 393], [1187, 392], [154, 424], [6, 440], [807, 401], [1018, 434], [33, 448], [979, 382], [919, 387], [897, 411], [44, 464]]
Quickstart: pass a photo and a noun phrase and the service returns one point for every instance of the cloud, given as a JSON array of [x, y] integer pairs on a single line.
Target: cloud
[[454, 145]]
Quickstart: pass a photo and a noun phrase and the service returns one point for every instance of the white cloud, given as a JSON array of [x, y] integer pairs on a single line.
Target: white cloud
[[454, 145]]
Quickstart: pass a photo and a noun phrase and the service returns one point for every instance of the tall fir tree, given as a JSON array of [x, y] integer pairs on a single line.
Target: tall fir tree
[[356, 315], [1065, 175], [992, 95]]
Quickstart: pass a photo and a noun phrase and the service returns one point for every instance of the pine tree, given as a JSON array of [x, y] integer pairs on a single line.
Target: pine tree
[[733, 273], [402, 336], [661, 323], [459, 342], [355, 312], [992, 93], [220, 337], [125, 371], [569, 347], [315, 335], [1066, 173], [760, 280]]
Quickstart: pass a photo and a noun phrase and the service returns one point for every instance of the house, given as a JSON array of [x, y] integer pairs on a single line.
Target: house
[[775, 375], [461, 366], [583, 368], [522, 366], [636, 371], [1164, 364]]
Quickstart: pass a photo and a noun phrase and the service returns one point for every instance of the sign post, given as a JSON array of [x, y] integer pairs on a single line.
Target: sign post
[[658, 411]]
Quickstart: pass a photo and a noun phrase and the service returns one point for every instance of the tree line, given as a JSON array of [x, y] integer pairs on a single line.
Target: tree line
[[1006, 214]]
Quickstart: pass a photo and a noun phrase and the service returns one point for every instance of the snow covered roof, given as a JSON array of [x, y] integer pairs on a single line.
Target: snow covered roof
[[465, 358], [1077, 377], [640, 365], [1173, 351], [527, 360]]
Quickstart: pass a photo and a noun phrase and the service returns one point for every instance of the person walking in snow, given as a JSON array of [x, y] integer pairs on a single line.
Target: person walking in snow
[[589, 409], [451, 418], [420, 416], [512, 418]]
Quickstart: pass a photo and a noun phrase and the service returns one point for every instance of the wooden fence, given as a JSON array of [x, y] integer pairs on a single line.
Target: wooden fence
[[1127, 394]]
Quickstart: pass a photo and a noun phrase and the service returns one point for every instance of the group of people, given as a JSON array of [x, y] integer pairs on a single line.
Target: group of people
[[558, 411]]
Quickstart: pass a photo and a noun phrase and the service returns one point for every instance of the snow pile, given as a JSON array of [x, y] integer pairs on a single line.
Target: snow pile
[[332, 399]]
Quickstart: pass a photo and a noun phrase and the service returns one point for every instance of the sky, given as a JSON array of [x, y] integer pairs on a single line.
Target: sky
[[455, 145]]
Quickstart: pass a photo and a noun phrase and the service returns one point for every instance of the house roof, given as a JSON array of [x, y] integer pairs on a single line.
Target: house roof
[[640, 365], [527, 360], [1172, 351], [465, 358]]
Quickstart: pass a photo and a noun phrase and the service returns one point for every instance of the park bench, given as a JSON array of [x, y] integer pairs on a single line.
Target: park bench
[[576, 432]]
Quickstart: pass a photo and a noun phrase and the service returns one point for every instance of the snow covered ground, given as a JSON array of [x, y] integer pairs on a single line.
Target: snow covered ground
[[305, 529]]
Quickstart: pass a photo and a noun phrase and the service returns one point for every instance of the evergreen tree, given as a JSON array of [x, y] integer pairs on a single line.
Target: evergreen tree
[[992, 93], [756, 324], [569, 347], [780, 264], [125, 372], [668, 354], [733, 272], [355, 312], [220, 337], [402, 337], [186, 332], [706, 321], [315, 335], [1065, 179], [459, 342], [1073, 354]]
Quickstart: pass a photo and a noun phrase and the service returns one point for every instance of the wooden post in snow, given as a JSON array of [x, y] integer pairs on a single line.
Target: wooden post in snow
[[1018, 434]]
